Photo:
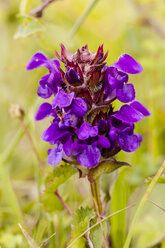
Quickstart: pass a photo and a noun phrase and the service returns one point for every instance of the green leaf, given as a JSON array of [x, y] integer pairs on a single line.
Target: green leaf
[[105, 167], [28, 25], [119, 199], [96, 234], [58, 176], [30, 240], [81, 221]]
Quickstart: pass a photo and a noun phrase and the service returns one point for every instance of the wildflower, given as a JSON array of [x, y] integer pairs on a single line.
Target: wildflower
[[85, 126]]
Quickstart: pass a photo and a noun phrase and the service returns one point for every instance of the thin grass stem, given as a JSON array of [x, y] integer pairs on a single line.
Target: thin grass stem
[[141, 205]]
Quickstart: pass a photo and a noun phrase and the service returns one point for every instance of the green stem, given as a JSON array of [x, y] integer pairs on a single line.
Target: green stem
[[141, 205], [96, 197], [82, 18]]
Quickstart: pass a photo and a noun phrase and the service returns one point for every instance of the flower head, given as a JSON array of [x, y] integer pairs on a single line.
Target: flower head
[[85, 126]]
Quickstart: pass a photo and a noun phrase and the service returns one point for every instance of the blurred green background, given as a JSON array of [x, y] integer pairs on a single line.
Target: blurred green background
[[136, 27]]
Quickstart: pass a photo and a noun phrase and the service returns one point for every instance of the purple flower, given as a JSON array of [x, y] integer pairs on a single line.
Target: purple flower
[[85, 126], [50, 82]]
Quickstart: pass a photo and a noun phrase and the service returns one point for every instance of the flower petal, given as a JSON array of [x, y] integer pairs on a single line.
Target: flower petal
[[53, 133], [79, 107], [76, 148], [128, 114], [67, 146], [44, 92], [55, 155], [63, 99], [89, 157], [129, 143], [37, 60], [128, 64], [125, 93], [43, 111], [139, 107], [103, 142], [86, 131]]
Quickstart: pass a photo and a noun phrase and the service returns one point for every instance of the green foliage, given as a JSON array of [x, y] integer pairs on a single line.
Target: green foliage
[[29, 239], [96, 233], [105, 167], [160, 180], [58, 176], [28, 25], [81, 222], [119, 200], [55, 178]]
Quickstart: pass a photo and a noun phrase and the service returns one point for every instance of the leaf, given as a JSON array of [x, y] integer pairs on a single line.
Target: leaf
[[119, 199], [160, 180], [28, 25], [105, 167], [96, 234], [81, 221], [30, 241], [58, 176]]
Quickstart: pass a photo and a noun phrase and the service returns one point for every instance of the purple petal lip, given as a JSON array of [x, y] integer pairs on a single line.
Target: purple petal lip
[[55, 155], [125, 93], [128, 64], [129, 143], [128, 114], [62, 99], [53, 133], [139, 107], [89, 157], [37, 60], [86, 131], [79, 107], [43, 111]]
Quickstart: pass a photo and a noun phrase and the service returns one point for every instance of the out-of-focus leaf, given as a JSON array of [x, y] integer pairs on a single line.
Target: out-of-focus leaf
[[81, 221], [119, 199], [96, 233], [28, 25], [149, 229], [10, 240], [105, 167], [29, 239]]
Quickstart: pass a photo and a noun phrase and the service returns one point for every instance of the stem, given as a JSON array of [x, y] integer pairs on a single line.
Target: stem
[[37, 12], [64, 203], [82, 18], [96, 197], [141, 205], [32, 144]]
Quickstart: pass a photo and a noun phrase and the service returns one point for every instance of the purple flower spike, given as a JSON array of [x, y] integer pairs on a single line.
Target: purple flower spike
[[55, 155], [44, 110], [125, 93], [63, 99], [128, 64], [37, 60], [89, 157], [85, 125], [86, 131]]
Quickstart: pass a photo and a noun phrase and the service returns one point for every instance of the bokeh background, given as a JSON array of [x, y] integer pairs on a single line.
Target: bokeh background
[[136, 27]]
